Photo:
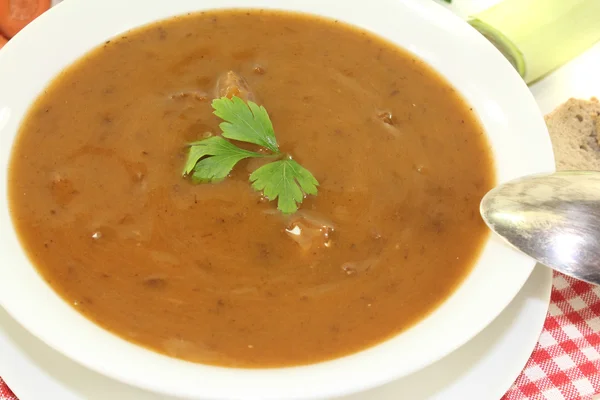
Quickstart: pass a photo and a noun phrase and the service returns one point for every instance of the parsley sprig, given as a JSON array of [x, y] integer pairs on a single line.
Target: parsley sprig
[[212, 159]]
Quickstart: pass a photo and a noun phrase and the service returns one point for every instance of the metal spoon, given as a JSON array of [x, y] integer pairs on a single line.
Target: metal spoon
[[553, 218]]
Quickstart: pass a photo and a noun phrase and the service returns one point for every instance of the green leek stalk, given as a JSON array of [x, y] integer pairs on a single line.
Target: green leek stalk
[[538, 36]]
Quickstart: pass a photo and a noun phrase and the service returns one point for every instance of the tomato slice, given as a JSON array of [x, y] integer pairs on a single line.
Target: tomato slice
[[16, 14]]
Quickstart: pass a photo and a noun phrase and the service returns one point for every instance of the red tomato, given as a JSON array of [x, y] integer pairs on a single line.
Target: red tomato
[[16, 14]]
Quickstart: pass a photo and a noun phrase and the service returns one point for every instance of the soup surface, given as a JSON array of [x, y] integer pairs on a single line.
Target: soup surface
[[213, 273]]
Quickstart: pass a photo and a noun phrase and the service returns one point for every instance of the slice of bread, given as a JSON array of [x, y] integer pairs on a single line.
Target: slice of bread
[[574, 130]]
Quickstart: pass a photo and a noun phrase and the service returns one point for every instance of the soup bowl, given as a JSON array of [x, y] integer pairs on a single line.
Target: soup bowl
[[504, 105]]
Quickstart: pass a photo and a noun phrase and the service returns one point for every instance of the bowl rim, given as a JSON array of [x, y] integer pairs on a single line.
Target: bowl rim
[[431, 32]]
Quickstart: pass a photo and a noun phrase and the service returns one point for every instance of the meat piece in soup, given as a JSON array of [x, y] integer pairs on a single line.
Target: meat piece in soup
[[231, 84]]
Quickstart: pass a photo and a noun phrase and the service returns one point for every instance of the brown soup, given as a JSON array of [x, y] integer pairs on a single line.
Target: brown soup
[[210, 272]]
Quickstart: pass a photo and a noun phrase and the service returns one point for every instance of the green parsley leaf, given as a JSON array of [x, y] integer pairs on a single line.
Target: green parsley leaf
[[286, 180], [245, 122], [212, 159]]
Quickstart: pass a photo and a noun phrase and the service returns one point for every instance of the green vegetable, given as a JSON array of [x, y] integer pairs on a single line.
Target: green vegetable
[[245, 122], [211, 160], [538, 36], [222, 157], [286, 180]]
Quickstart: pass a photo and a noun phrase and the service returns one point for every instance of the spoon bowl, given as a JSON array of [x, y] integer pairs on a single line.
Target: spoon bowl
[[553, 218]]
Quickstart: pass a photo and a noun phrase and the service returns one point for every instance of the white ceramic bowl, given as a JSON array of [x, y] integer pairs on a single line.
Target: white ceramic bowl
[[511, 118]]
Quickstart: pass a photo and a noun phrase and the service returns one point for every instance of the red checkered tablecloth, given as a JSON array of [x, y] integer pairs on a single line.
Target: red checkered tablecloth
[[565, 364], [5, 393]]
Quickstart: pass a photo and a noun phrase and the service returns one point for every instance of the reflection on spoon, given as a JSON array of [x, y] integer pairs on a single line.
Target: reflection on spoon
[[554, 218]]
